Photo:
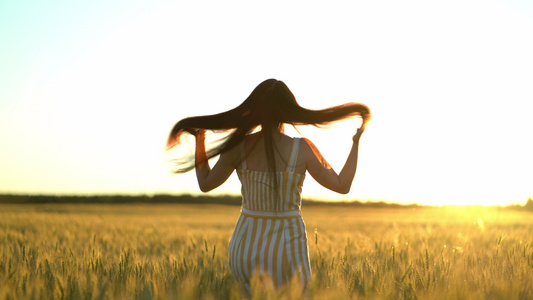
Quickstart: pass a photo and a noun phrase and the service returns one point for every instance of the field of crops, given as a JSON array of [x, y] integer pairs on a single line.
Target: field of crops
[[165, 251]]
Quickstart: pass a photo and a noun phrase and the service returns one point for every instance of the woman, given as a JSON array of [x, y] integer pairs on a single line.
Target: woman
[[269, 240]]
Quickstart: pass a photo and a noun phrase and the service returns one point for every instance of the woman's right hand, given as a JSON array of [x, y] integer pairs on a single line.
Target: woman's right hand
[[201, 157], [200, 133]]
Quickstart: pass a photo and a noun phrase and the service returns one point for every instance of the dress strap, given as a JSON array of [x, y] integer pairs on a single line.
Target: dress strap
[[243, 156], [294, 155]]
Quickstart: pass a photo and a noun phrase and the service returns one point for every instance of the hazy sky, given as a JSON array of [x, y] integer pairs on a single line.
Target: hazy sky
[[89, 91]]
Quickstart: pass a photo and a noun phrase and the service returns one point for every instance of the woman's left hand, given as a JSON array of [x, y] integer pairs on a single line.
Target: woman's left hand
[[358, 134]]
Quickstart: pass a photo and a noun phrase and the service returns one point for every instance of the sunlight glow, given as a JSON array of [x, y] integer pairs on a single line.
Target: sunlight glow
[[88, 95]]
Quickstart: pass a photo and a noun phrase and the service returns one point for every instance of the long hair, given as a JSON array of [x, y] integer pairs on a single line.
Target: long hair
[[270, 105]]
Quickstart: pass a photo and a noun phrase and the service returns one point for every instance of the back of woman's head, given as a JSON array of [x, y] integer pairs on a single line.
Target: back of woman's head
[[270, 105]]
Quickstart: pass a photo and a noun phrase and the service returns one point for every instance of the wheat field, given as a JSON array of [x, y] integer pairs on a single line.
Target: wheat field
[[179, 251]]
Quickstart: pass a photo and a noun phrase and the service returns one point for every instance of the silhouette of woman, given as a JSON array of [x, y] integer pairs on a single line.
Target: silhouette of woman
[[269, 240]]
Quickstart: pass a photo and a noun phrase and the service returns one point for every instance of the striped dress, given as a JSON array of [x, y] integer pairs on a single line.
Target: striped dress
[[270, 237]]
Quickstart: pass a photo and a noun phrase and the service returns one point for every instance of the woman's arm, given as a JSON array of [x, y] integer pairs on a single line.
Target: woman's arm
[[209, 179], [323, 173]]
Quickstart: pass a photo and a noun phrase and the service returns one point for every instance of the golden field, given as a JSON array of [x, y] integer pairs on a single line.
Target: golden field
[[179, 251]]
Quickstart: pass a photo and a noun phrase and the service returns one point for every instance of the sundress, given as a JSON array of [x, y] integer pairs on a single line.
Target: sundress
[[270, 236]]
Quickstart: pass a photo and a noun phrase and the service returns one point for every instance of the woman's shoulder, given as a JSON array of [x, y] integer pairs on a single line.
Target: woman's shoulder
[[307, 147], [304, 141], [305, 153]]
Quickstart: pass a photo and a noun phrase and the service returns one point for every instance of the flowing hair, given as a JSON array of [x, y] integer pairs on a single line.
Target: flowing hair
[[270, 105]]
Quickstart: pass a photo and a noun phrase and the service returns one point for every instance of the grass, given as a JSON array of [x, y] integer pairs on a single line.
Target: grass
[[164, 251]]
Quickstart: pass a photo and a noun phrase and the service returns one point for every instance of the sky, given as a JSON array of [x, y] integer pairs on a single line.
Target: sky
[[90, 90]]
